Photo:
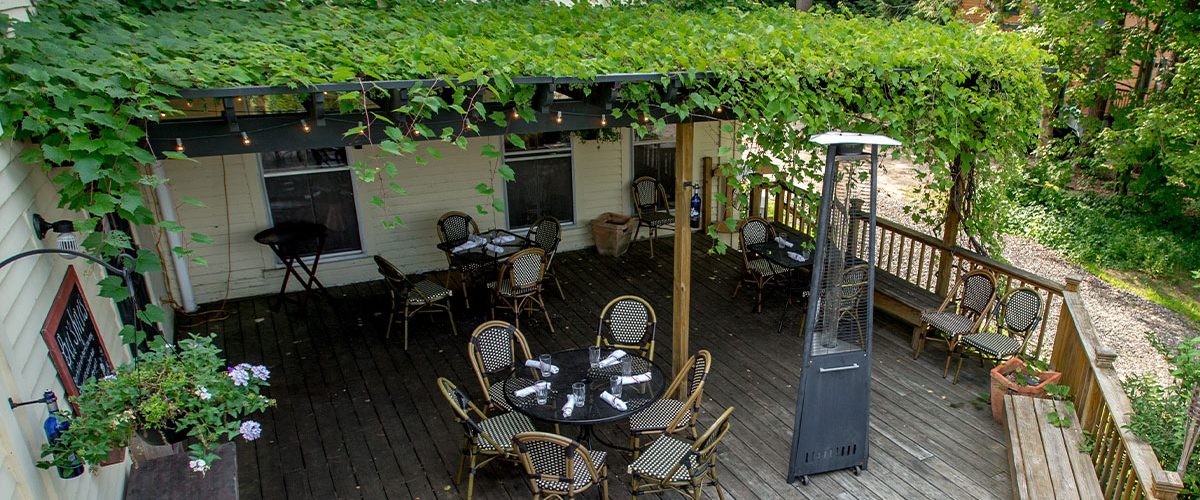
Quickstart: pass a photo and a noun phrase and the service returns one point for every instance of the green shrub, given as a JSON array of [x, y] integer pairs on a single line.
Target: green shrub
[[1160, 412]]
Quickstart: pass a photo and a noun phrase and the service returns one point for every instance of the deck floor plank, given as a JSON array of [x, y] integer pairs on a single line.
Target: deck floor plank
[[360, 417]]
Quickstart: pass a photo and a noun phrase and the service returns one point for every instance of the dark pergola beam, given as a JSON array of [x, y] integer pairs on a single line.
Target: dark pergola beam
[[283, 131], [543, 97], [230, 114]]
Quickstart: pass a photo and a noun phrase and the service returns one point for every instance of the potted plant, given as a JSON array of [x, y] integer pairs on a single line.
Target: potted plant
[[166, 394], [1019, 376]]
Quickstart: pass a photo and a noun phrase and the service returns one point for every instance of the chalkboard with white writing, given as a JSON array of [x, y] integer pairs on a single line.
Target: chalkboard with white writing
[[72, 337]]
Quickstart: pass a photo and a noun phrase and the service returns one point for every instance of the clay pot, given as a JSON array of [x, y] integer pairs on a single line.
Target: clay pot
[[1001, 385]]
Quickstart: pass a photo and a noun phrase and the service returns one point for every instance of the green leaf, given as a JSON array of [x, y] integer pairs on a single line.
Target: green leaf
[[151, 314], [517, 141], [506, 172], [192, 201], [377, 201], [147, 261], [113, 287], [88, 170], [201, 238], [171, 226]]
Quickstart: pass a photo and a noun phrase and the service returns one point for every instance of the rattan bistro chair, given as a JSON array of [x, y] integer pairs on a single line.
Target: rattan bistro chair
[[410, 298], [519, 285], [757, 270], [653, 209], [1016, 317], [627, 322], [668, 416], [546, 234], [559, 467], [456, 227], [496, 347], [962, 313], [673, 464], [487, 438]]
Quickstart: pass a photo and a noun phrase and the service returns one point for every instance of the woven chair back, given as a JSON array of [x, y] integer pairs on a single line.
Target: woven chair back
[[699, 373], [396, 281], [706, 445], [554, 463], [627, 321], [755, 230], [646, 193], [525, 270], [1022, 310], [456, 226], [546, 233], [979, 288], [497, 346]]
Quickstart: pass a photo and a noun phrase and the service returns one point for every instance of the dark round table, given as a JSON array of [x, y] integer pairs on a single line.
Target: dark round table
[[574, 366], [285, 239]]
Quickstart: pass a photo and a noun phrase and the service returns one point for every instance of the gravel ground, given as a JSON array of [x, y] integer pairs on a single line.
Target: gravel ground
[[1121, 318]]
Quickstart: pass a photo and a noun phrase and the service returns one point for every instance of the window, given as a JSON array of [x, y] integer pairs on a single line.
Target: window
[[544, 184], [654, 156], [314, 185]]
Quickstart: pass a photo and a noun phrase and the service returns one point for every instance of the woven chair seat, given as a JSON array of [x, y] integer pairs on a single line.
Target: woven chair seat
[[660, 458], [496, 394], [657, 416], [433, 292], [763, 267], [506, 289], [948, 322], [656, 219], [993, 344], [581, 473], [502, 428]]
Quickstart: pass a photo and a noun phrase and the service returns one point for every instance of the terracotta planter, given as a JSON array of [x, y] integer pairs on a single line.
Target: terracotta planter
[[1001, 385]]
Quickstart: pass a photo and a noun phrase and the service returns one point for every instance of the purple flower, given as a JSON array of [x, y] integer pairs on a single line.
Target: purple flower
[[239, 375], [250, 430], [260, 372]]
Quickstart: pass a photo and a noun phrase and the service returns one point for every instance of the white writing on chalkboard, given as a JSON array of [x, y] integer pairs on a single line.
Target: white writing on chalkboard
[[79, 342]]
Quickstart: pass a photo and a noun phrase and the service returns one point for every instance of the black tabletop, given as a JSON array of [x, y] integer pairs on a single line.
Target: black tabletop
[[289, 233], [574, 366], [480, 254], [778, 254]]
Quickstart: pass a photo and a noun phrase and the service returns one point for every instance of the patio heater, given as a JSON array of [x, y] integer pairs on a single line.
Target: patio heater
[[831, 426]]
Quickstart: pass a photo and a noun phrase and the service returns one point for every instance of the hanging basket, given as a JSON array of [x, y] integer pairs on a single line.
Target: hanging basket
[[167, 435], [1002, 384]]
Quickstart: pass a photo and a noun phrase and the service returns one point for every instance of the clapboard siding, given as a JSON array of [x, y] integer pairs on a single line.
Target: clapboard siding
[[28, 288], [231, 189]]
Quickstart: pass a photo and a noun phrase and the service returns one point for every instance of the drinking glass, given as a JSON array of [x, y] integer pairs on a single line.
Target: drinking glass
[[545, 360], [543, 393], [579, 389], [614, 386], [594, 355], [626, 366]]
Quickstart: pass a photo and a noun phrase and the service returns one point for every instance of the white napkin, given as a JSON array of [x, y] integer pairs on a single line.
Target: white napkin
[[614, 401], [783, 242], [635, 379], [469, 244], [796, 256], [533, 363], [568, 408], [480, 240], [494, 248], [528, 391], [612, 359], [504, 238]]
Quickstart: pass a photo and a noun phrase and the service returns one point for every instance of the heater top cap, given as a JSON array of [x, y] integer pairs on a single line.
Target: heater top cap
[[838, 137]]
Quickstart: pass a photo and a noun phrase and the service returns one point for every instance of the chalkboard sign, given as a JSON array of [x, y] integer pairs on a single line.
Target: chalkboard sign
[[74, 341]]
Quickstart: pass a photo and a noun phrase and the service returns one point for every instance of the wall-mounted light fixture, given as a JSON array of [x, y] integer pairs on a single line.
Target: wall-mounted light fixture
[[66, 239]]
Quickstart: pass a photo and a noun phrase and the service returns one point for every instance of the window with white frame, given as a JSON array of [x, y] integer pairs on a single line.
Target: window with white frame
[[654, 156], [544, 182], [314, 185]]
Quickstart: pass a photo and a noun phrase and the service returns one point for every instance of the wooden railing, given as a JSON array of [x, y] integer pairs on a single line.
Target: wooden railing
[[1125, 464]]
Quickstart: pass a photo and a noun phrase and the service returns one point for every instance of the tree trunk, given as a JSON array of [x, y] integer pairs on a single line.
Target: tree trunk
[[804, 5]]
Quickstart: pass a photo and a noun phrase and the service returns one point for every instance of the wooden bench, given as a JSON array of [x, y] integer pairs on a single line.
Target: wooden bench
[[1045, 461], [904, 300]]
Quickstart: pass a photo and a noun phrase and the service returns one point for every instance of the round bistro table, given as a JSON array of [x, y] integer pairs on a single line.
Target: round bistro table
[[574, 366]]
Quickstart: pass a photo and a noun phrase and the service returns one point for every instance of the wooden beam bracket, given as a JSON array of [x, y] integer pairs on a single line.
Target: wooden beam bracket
[[315, 105], [230, 114], [543, 97]]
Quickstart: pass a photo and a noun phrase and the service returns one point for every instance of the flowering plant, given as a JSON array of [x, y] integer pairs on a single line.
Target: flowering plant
[[185, 389]]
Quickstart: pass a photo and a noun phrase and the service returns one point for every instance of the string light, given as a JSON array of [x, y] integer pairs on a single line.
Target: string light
[[558, 118], [239, 99], [245, 139], [304, 125], [603, 120], [162, 114], [718, 109], [515, 114], [189, 103], [179, 144], [645, 118]]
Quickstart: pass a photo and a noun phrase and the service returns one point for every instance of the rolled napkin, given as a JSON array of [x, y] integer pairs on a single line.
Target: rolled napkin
[[533, 363], [568, 408], [504, 238], [467, 245], [796, 256], [494, 248], [614, 401], [612, 359], [635, 379], [528, 391], [783, 242], [477, 239]]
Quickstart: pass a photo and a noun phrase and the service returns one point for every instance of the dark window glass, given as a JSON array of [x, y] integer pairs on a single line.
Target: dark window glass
[[657, 161], [314, 186], [543, 184]]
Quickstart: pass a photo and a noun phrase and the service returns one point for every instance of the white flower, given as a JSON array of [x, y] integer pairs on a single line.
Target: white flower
[[203, 393], [239, 375], [260, 372], [109, 377], [250, 430], [199, 465]]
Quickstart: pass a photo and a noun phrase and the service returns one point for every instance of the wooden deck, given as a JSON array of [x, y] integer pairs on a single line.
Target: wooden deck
[[358, 416]]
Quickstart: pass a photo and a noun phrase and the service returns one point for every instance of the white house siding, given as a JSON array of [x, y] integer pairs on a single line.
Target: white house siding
[[27, 288], [231, 188]]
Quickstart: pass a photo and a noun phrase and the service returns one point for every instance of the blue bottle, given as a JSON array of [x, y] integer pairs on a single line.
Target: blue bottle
[[695, 210], [54, 426]]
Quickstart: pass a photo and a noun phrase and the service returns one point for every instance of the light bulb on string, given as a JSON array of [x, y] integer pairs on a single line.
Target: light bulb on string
[[304, 125], [719, 109], [178, 144], [558, 118], [515, 114], [603, 120], [645, 117], [245, 139]]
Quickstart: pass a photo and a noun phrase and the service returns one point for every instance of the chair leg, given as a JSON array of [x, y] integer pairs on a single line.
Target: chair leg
[[716, 483], [559, 285], [737, 287], [450, 314], [635, 444], [959, 369], [546, 312], [391, 322], [604, 483], [462, 458], [406, 318], [918, 340], [653, 236], [471, 478]]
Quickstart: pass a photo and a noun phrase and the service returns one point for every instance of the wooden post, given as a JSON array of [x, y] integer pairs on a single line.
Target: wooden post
[[707, 196], [950, 230], [681, 297]]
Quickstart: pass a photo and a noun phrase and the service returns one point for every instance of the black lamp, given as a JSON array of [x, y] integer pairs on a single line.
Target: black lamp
[[65, 240]]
